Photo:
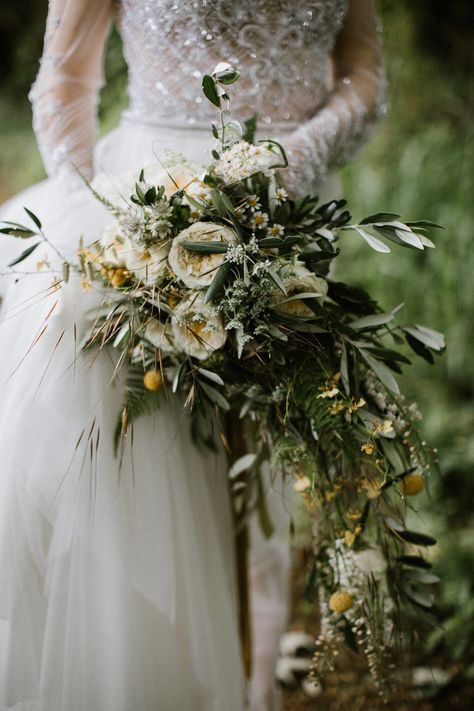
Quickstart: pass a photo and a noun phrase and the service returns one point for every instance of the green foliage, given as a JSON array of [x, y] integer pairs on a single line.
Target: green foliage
[[419, 163]]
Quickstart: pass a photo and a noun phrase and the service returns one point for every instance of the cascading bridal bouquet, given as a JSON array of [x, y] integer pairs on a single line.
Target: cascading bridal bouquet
[[216, 287]]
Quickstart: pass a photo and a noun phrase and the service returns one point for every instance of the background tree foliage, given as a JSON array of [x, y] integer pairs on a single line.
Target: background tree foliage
[[419, 164]]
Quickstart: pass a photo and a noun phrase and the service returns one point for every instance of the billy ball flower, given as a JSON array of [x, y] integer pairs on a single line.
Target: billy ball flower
[[153, 380], [341, 601], [412, 484], [196, 269]]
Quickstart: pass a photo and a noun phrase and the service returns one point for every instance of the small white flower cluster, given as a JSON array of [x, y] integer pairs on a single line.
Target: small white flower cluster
[[345, 569], [158, 219], [237, 253], [263, 267], [141, 225], [243, 159]]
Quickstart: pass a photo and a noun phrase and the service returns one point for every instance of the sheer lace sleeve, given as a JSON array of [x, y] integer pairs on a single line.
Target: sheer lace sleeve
[[332, 136], [64, 95]]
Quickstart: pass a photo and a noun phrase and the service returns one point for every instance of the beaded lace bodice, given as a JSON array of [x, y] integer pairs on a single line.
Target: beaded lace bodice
[[283, 51], [312, 65]]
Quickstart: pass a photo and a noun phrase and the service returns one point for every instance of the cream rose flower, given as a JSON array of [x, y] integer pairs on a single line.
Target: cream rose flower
[[147, 263], [159, 335], [298, 280], [196, 329], [195, 269]]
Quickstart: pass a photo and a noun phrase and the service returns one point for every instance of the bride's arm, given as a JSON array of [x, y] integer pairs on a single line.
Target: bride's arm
[[64, 95], [330, 138]]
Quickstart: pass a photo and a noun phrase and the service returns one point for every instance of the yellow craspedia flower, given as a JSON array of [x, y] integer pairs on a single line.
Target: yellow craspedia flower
[[341, 601], [118, 277], [153, 380], [412, 484]]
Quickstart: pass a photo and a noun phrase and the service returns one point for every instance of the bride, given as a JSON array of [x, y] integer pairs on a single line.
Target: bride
[[118, 583]]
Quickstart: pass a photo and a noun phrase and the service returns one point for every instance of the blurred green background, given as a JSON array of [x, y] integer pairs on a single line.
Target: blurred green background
[[420, 165]]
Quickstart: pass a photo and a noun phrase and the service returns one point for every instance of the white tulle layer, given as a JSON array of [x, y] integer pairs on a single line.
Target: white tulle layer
[[118, 589]]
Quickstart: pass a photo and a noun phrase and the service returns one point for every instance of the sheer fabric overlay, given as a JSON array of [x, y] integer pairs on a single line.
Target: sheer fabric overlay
[[315, 67], [119, 588]]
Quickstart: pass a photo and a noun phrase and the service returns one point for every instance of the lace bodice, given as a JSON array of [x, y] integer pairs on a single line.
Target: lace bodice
[[314, 66], [283, 55]]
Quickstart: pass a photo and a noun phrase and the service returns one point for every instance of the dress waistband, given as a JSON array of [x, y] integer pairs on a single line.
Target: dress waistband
[[274, 128]]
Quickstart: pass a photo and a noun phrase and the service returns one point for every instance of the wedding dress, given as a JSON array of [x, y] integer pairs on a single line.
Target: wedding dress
[[118, 588]]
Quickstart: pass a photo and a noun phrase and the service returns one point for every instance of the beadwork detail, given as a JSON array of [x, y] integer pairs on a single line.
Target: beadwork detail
[[283, 50]]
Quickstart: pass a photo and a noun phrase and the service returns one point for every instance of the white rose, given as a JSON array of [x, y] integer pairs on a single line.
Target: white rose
[[196, 329], [197, 270], [297, 280], [147, 263], [371, 562], [159, 335]]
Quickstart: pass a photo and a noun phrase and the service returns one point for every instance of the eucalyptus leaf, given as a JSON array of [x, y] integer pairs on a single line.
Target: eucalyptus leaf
[[278, 281], [241, 465], [33, 217], [21, 233], [121, 335], [381, 371], [372, 241], [419, 539], [422, 577], [210, 91], [379, 217], [427, 336], [218, 282], [371, 320], [210, 375], [206, 247], [215, 396], [422, 598], [414, 560], [26, 253], [424, 223]]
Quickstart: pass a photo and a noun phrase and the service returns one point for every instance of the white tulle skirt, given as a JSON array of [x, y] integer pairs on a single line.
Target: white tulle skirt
[[118, 588]]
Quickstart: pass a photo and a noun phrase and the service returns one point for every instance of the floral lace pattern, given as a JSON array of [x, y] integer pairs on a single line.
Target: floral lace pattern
[[282, 49], [310, 70]]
